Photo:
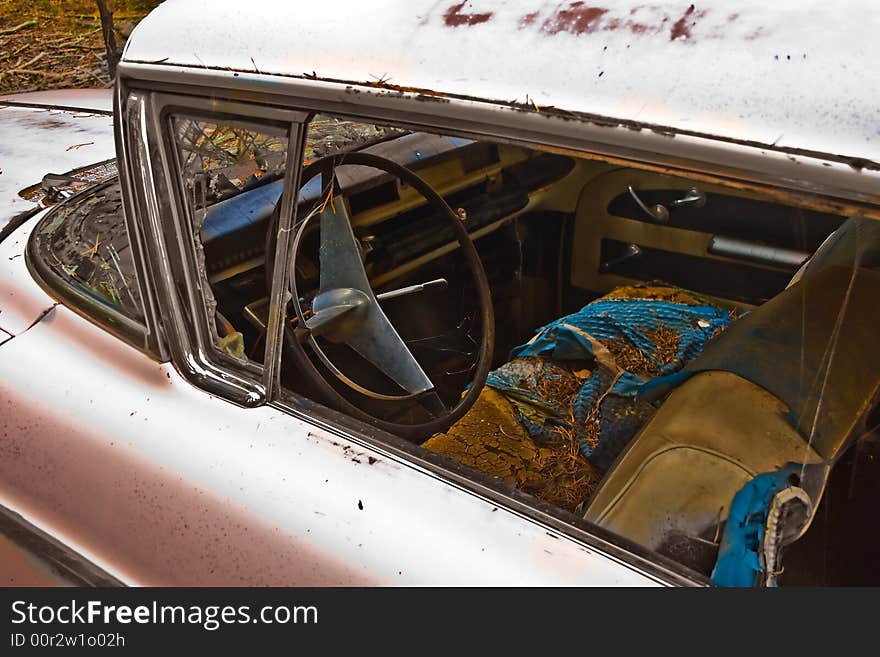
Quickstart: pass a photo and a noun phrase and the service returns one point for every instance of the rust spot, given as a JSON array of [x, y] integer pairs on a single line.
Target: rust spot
[[528, 20], [577, 19], [681, 29], [754, 35], [454, 18]]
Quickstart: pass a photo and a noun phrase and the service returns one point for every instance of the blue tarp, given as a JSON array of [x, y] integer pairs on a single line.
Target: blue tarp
[[573, 338], [739, 555]]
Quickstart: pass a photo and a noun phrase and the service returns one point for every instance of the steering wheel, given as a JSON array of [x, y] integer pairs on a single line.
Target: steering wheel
[[346, 309]]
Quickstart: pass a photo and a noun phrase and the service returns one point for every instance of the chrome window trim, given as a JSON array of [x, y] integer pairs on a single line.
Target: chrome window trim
[[165, 108], [181, 315], [279, 294], [61, 559], [806, 174], [138, 203]]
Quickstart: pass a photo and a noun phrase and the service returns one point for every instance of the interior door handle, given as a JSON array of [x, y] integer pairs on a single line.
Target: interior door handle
[[657, 212], [632, 251], [660, 213], [694, 197]]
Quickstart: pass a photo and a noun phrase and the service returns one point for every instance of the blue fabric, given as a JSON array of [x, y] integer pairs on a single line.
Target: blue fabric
[[739, 558], [610, 319], [568, 339]]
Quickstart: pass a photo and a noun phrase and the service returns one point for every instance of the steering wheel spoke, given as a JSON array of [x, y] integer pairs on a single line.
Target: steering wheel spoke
[[379, 343], [350, 307], [346, 310]]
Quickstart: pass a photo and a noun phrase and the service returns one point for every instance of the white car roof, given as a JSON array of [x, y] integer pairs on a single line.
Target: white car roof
[[789, 74]]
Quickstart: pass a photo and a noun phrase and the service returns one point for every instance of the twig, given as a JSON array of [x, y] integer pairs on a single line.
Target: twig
[[70, 42], [70, 46], [19, 28], [18, 50], [92, 74], [33, 61], [24, 71]]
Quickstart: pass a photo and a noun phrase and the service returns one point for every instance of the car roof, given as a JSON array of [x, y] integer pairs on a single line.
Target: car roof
[[791, 74]]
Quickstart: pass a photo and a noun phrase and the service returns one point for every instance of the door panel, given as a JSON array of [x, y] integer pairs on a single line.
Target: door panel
[[738, 247], [160, 483]]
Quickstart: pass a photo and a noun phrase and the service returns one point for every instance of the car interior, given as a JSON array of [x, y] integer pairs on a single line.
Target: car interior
[[631, 346]]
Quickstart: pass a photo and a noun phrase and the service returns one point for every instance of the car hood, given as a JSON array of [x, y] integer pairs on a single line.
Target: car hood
[[38, 137], [40, 133]]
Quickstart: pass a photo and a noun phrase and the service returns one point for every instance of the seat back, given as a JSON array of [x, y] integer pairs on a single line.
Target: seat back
[[794, 380]]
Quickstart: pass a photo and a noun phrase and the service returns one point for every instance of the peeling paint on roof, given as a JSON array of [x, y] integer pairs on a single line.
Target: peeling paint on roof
[[791, 74]]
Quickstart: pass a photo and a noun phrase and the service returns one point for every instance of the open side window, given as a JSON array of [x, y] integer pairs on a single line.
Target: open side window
[[341, 269], [231, 176]]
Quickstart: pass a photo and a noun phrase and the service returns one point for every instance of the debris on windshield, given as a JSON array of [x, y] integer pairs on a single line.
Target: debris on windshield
[[57, 186], [328, 135], [85, 239]]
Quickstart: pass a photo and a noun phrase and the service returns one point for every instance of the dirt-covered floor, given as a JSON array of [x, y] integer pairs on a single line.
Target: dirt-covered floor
[[49, 44]]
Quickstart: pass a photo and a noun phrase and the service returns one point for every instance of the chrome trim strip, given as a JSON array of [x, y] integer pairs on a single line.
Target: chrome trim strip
[[279, 294], [66, 562]]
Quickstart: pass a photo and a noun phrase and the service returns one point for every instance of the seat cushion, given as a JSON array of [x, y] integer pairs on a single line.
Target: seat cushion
[[712, 435]]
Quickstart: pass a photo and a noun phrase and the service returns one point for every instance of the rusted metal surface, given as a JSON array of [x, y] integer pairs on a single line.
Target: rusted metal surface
[[748, 74]]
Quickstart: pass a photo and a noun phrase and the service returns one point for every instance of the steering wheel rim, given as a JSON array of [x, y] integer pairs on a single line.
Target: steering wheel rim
[[329, 395]]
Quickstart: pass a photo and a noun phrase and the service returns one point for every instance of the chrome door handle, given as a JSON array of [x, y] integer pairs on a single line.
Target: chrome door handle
[[657, 212], [693, 196], [660, 213], [632, 251]]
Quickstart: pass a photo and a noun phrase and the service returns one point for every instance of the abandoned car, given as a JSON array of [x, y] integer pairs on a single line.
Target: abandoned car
[[449, 293]]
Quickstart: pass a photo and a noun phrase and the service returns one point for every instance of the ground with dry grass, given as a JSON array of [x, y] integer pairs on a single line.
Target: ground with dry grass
[[49, 44]]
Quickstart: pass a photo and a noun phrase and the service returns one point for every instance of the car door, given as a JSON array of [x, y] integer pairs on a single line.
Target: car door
[[125, 441]]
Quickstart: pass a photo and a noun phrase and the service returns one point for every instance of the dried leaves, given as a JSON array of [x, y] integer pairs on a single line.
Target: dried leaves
[[558, 381]]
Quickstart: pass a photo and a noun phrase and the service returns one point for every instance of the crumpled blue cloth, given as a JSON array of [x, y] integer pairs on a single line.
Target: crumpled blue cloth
[[610, 319], [572, 338], [739, 558]]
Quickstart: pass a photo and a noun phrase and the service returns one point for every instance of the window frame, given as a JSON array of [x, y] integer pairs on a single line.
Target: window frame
[[161, 211], [450, 471], [169, 253]]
